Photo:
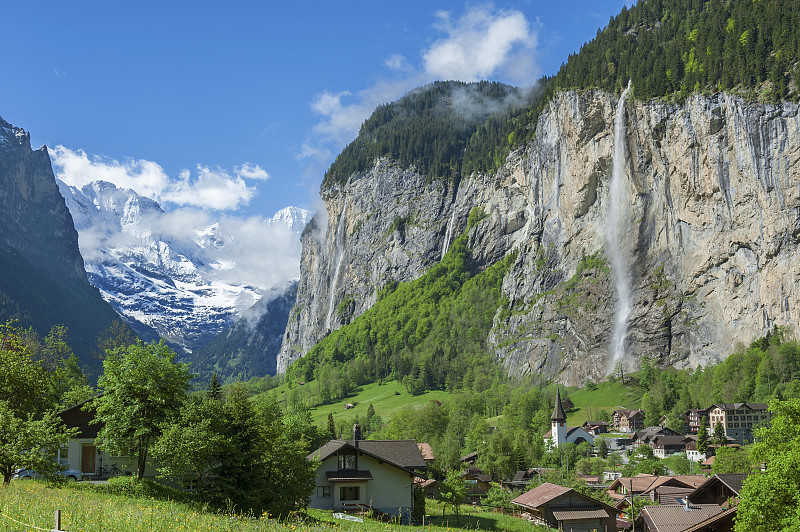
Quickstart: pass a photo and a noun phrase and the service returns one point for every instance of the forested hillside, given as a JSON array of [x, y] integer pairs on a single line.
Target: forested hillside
[[429, 333], [675, 47]]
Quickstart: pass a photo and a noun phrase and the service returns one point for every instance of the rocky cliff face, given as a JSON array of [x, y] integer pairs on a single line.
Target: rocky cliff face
[[35, 220], [42, 278], [712, 229]]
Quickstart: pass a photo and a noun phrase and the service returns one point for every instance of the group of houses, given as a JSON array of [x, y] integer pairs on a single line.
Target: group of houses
[[381, 475]]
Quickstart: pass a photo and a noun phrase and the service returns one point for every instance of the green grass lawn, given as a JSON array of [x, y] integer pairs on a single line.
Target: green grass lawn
[[608, 396], [385, 398], [33, 504]]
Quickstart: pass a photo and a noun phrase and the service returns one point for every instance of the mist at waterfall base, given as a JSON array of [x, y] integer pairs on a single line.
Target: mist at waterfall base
[[617, 252]]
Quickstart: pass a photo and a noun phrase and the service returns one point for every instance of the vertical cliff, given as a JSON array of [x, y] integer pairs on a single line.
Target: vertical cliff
[[712, 227], [43, 281]]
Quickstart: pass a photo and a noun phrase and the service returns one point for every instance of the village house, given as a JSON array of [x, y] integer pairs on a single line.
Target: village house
[[664, 446], [693, 418], [595, 428], [738, 419], [478, 484], [626, 420], [648, 435], [719, 489], [85, 453], [692, 453], [361, 474], [566, 509]]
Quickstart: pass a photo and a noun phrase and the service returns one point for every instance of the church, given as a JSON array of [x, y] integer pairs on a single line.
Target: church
[[560, 433]]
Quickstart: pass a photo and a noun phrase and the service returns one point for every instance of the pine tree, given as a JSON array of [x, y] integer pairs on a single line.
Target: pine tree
[[332, 426], [702, 436], [214, 389]]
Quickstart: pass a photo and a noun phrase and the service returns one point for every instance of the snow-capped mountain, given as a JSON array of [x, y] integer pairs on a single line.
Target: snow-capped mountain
[[179, 274]]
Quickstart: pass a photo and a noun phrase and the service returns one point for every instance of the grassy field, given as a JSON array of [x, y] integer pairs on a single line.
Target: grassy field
[[30, 505], [385, 398], [608, 396]]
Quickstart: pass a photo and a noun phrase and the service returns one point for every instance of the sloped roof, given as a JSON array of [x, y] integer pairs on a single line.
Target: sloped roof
[[400, 453], [426, 451], [540, 495], [670, 494], [558, 410], [675, 518], [734, 482], [727, 514], [670, 440], [75, 416], [644, 483]]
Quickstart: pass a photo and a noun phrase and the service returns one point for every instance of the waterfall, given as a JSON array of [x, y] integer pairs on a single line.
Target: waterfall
[[338, 254], [615, 225], [448, 234]]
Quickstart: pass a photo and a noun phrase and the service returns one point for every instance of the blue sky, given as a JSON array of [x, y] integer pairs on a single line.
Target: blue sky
[[238, 108]]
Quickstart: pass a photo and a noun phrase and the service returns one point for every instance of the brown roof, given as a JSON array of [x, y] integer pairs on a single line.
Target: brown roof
[[734, 482], [675, 518], [540, 495], [348, 475], [644, 483], [426, 451], [399, 453], [729, 513], [75, 416]]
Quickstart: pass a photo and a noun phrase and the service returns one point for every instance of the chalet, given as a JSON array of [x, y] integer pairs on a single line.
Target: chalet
[[675, 517], [626, 420], [85, 453], [560, 433], [664, 446], [738, 419], [719, 489], [361, 474], [566, 509], [648, 435], [478, 484], [643, 485], [595, 428], [692, 453], [692, 420]]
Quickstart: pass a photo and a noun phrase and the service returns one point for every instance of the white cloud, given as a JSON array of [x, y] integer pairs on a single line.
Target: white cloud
[[207, 188], [250, 171], [483, 43]]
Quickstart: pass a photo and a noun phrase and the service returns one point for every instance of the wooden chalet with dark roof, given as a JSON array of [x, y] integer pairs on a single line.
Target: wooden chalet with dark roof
[[566, 509]]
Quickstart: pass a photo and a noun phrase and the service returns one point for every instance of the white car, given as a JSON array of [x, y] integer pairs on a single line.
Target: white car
[[28, 474]]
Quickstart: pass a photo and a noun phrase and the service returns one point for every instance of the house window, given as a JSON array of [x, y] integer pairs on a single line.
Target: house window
[[348, 493], [323, 492], [347, 461], [63, 453]]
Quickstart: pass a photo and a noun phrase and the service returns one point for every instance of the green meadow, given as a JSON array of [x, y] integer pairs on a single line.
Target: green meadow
[[31, 505]]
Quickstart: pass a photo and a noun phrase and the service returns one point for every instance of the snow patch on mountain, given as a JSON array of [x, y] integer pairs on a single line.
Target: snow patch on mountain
[[181, 274]]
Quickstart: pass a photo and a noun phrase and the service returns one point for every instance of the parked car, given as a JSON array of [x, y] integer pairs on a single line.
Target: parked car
[[29, 474]]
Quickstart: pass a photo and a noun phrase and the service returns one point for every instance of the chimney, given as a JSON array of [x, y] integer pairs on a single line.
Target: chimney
[[356, 434]]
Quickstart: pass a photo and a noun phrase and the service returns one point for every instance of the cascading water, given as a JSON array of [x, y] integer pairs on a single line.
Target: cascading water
[[615, 224], [338, 247], [448, 234]]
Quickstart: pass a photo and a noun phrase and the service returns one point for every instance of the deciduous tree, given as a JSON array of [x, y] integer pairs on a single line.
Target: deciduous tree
[[143, 387]]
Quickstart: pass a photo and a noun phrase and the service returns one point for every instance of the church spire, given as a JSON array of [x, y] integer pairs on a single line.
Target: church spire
[[558, 411]]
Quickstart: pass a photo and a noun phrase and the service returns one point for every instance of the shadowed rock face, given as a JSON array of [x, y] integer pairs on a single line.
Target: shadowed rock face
[[42, 277], [35, 220], [713, 229]]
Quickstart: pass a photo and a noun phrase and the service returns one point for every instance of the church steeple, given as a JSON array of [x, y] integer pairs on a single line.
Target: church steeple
[[559, 425], [558, 411]]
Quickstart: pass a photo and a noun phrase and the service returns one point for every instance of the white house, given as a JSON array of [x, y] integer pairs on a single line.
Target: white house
[[84, 452], [358, 473]]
